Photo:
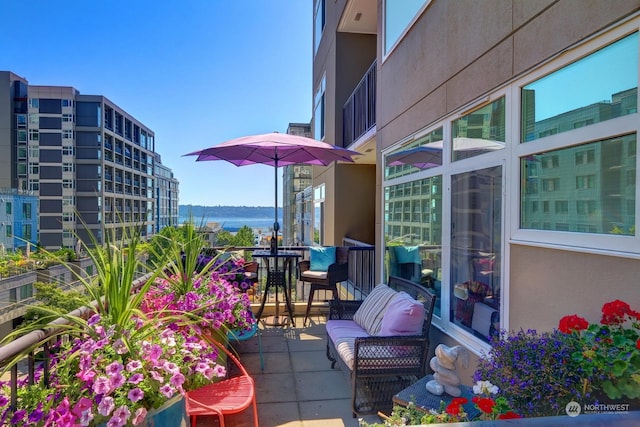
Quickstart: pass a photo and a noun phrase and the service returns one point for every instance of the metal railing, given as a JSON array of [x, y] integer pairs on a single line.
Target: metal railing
[[359, 112]]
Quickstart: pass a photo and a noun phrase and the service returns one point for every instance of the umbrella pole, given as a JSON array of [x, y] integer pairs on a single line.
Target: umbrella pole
[[276, 226]]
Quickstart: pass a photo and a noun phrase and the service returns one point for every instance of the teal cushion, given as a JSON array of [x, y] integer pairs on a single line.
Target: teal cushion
[[322, 258], [408, 254]]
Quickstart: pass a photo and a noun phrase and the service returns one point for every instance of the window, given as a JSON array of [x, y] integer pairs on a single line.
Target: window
[[26, 231], [26, 210], [599, 87], [318, 214], [34, 135], [34, 103], [398, 17], [480, 131], [476, 223], [67, 118], [22, 153], [67, 151], [34, 185], [318, 111], [8, 208], [67, 102], [67, 183], [67, 134], [68, 201], [67, 217], [612, 184], [34, 168], [34, 153], [425, 153], [413, 232], [21, 121], [67, 167], [8, 230], [318, 23], [21, 136]]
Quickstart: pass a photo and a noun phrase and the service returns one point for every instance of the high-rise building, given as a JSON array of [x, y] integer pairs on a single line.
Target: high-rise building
[[166, 196], [89, 161], [295, 179]]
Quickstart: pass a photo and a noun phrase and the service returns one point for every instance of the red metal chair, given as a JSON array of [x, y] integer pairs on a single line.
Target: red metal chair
[[229, 396]]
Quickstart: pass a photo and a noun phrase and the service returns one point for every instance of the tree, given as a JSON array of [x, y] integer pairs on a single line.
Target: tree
[[49, 295]]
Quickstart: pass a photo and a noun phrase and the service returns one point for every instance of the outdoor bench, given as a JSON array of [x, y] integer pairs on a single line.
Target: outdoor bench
[[381, 342]]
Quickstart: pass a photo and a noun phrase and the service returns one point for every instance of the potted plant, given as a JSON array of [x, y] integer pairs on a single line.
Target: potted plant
[[125, 360], [608, 352]]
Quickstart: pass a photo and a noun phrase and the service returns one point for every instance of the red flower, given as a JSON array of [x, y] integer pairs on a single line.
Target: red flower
[[485, 404], [638, 344], [613, 312], [572, 323], [508, 416], [455, 407]]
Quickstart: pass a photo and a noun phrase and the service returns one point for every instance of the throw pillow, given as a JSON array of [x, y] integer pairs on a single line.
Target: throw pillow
[[404, 316], [369, 314], [322, 257]]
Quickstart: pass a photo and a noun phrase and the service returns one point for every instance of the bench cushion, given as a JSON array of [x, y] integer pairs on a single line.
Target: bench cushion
[[343, 334], [404, 316], [369, 314]]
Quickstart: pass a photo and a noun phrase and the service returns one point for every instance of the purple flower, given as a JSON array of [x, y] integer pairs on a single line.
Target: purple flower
[[135, 395], [117, 380], [136, 379], [167, 391], [106, 406], [134, 365], [139, 416], [114, 368], [102, 385]]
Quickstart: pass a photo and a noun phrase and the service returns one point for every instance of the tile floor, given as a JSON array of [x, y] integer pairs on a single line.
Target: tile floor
[[297, 388]]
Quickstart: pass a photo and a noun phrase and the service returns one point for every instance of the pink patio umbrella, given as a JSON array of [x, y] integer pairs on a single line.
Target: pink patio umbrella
[[275, 149], [422, 157]]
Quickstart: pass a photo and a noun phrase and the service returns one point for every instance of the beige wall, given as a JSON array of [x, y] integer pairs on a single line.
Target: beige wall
[[546, 284], [349, 203]]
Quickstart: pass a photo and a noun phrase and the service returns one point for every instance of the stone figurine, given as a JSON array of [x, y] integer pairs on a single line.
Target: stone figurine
[[445, 377]]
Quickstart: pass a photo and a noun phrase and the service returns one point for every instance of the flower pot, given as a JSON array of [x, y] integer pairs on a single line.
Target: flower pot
[[171, 414]]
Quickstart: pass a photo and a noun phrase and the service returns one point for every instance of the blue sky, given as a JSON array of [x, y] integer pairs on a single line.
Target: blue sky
[[197, 72]]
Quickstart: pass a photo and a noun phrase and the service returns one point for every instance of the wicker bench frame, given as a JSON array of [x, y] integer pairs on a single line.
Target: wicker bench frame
[[383, 366]]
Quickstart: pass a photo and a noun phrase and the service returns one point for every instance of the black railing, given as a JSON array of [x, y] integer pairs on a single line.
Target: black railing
[[359, 112]]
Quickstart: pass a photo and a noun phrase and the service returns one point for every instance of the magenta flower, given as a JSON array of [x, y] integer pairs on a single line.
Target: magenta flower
[[139, 416], [167, 391], [117, 380], [114, 368], [106, 405], [134, 365], [102, 385], [136, 379], [135, 395]]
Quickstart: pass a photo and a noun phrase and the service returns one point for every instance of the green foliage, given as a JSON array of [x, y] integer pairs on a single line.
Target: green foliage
[[50, 296], [225, 238]]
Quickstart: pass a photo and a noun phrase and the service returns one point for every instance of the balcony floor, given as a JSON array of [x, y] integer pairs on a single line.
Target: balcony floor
[[297, 388]]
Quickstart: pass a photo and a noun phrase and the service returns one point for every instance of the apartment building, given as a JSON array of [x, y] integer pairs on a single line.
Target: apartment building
[[90, 163], [18, 220], [505, 141], [295, 178], [167, 191]]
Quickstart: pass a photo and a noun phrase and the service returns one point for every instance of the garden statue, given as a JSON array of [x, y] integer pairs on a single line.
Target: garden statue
[[445, 378]]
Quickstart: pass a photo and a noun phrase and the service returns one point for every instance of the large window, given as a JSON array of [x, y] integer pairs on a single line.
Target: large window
[[476, 227], [480, 131], [398, 15], [318, 214], [318, 111], [413, 232], [318, 23], [599, 87], [420, 154], [592, 188]]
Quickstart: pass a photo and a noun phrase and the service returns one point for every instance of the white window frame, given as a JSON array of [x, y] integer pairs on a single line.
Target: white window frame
[[625, 246]]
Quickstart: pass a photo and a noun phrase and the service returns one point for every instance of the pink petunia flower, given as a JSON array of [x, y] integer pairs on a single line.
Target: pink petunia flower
[[106, 405]]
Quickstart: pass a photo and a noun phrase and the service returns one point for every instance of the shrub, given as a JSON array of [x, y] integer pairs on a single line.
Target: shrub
[[534, 371]]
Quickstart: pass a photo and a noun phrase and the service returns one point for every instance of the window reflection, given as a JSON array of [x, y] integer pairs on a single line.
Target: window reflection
[[600, 87], [413, 233], [589, 188], [476, 222], [480, 131], [424, 153]]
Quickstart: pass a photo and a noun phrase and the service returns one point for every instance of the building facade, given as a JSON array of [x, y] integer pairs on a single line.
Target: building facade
[[295, 178], [18, 220], [505, 138], [167, 190], [90, 163]]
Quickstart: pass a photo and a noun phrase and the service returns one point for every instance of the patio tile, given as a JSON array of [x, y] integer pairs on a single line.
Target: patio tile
[[330, 413], [275, 388], [279, 415], [310, 361], [322, 385]]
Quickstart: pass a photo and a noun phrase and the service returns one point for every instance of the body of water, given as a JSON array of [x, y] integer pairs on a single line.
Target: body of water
[[234, 224]]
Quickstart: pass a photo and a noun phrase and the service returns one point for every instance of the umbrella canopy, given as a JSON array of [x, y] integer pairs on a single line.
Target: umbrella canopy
[[275, 149], [422, 157]]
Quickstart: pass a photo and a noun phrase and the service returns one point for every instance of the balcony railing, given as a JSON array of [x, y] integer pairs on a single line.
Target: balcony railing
[[359, 112]]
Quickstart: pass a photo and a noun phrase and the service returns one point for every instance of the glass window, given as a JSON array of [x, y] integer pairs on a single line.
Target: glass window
[[480, 131], [413, 233], [597, 180], [26, 210], [318, 112], [22, 136], [34, 134], [34, 185], [318, 214], [476, 226], [423, 153], [8, 208], [9, 231], [34, 103], [21, 120], [318, 23], [26, 231], [600, 87], [22, 153], [398, 15]]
